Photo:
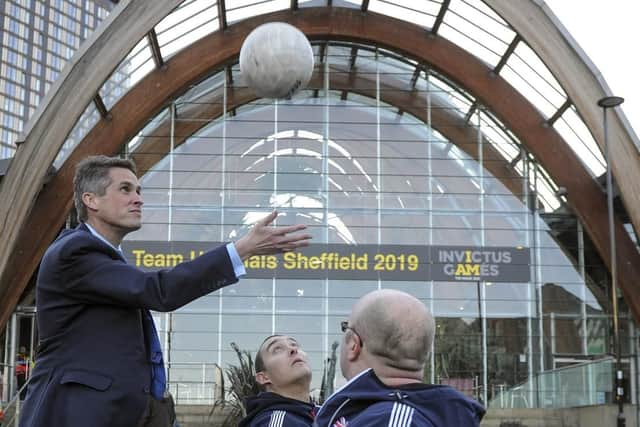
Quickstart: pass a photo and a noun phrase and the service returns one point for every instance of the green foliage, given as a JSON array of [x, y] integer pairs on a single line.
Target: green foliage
[[328, 375], [242, 384]]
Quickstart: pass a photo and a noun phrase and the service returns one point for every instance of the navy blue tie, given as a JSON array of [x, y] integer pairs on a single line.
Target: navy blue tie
[[158, 375]]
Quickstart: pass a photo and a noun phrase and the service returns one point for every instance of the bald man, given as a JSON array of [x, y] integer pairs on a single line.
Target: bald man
[[384, 350]]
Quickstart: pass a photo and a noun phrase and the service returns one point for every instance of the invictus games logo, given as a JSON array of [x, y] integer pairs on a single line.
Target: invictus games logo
[[482, 263]]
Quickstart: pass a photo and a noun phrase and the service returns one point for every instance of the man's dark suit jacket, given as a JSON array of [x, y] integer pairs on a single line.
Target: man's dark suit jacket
[[92, 367]]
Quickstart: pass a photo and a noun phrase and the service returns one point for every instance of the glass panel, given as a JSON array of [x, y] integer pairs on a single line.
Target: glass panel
[[527, 73], [575, 133], [424, 15], [242, 9], [246, 329], [138, 63], [152, 132], [476, 28], [343, 294], [500, 139], [208, 91], [507, 299], [404, 183], [194, 322], [87, 121], [404, 226], [565, 334], [190, 21], [456, 299], [546, 189], [455, 229], [353, 4], [507, 228], [6, 151], [447, 96]]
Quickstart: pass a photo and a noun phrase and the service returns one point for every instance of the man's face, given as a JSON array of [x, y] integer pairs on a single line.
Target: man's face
[[284, 363], [121, 205]]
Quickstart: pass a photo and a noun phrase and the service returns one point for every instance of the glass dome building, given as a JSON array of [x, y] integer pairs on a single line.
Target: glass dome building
[[441, 149]]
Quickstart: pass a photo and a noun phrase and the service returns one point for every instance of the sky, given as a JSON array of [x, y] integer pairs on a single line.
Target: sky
[[608, 31]]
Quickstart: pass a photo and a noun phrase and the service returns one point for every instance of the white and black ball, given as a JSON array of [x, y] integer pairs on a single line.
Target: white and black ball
[[276, 60]]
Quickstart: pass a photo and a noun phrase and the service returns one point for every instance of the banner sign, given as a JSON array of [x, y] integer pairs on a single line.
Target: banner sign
[[491, 264], [355, 262]]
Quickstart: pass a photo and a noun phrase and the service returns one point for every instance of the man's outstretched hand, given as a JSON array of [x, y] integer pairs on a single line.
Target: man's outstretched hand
[[264, 239]]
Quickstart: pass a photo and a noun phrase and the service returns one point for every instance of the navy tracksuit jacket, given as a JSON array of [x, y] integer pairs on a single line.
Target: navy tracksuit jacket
[[273, 410], [366, 401]]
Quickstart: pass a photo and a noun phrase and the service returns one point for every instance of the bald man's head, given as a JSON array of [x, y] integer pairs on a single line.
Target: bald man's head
[[396, 328]]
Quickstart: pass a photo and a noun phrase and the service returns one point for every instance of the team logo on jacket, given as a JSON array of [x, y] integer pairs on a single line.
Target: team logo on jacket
[[341, 423]]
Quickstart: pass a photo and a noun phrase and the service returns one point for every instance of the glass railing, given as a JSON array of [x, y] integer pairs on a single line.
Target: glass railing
[[195, 383], [589, 383]]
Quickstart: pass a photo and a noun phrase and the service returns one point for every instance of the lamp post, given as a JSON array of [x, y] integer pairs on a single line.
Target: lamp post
[[606, 103]]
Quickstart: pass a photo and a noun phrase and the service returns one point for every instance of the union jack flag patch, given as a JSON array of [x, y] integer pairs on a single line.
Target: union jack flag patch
[[341, 423]]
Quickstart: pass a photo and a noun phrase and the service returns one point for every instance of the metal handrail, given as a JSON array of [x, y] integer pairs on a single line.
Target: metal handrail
[[198, 391], [505, 393], [15, 400]]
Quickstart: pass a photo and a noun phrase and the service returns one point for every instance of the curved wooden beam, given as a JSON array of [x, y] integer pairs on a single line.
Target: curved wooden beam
[[212, 52], [584, 85]]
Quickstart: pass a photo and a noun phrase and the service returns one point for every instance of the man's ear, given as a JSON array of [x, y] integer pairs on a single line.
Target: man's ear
[[262, 378], [353, 348], [89, 200]]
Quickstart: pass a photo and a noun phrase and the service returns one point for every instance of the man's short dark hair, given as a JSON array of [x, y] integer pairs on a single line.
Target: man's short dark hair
[[92, 176], [259, 363]]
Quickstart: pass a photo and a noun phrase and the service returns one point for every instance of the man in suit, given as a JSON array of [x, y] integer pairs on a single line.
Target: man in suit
[[384, 349], [284, 374], [99, 361]]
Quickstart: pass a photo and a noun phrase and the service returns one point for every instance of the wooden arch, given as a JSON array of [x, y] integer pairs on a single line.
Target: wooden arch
[[21, 253]]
